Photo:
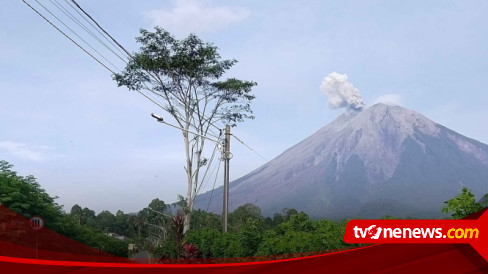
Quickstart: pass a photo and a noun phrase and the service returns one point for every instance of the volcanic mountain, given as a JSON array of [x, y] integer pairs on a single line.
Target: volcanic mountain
[[385, 160]]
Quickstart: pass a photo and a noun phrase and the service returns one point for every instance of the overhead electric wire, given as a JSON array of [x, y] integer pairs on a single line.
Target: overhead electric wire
[[213, 187], [94, 27], [116, 45], [250, 148], [85, 28], [213, 132], [119, 47], [164, 214], [71, 31], [204, 182], [98, 25], [150, 99], [129, 55], [82, 48], [69, 38]]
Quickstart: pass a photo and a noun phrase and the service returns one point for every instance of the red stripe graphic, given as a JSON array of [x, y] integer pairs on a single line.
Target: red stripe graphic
[[58, 254]]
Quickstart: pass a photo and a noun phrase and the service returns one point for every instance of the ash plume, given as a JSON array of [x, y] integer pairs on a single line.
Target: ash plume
[[340, 93]]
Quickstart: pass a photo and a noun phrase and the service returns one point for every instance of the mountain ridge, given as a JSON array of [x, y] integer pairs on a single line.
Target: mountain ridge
[[367, 164]]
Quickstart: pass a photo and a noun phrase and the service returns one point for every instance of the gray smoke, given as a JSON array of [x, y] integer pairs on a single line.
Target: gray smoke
[[340, 93]]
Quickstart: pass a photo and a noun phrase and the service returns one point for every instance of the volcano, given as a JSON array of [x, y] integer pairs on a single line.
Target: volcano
[[385, 160]]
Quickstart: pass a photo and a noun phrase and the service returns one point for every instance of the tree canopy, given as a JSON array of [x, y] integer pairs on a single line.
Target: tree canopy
[[184, 78], [24, 195], [462, 205]]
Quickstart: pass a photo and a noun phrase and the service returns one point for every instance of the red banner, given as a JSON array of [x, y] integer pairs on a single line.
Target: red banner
[[473, 232], [24, 250]]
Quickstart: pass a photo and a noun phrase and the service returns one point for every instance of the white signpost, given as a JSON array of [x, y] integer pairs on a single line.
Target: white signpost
[[37, 223]]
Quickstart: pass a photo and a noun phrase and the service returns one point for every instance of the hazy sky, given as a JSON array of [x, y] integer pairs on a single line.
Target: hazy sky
[[65, 121]]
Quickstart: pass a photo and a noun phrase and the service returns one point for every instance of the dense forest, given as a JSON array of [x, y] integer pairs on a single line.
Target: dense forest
[[158, 228]]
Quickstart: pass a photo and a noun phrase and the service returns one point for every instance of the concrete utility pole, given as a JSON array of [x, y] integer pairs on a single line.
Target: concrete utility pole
[[227, 157]]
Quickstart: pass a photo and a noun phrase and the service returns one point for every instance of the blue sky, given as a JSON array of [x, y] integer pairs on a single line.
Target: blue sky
[[65, 121]]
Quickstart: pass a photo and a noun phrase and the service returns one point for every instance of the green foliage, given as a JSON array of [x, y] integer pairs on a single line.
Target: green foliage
[[301, 234], [83, 216], [462, 205], [25, 196], [173, 66], [250, 237], [92, 237], [289, 242], [121, 224], [167, 250], [104, 220], [287, 213], [205, 239], [186, 76], [201, 219], [88, 216], [157, 229], [295, 235], [331, 234], [228, 246], [77, 213], [239, 217], [213, 244], [298, 222], [254, 235]]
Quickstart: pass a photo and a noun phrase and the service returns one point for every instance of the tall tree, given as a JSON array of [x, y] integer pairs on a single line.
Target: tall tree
[[185, 75], [239, 217], [105, 221], [139, 223], [77, 212], [88, 216]]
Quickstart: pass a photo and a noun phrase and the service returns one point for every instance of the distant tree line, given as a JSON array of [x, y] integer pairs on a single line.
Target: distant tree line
[[159, 227], [25, 196]]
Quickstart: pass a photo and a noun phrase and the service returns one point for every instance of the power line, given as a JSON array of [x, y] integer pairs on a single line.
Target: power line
[[98, 25], [120, 47], [164, 214], [71, 16], [250, 148], [73, 32], [98, 39], [95, 28], [83, 49], [130, 55], [69, 38], [205, 178], [105, 66], [150, 99], [85, 28], [160, 120], [213, 187]]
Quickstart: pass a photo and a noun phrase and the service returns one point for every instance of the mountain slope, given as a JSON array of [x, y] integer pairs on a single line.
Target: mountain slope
[[385, 160]]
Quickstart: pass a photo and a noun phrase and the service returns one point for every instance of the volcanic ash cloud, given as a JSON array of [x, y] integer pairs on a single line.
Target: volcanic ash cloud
[[340, 93]]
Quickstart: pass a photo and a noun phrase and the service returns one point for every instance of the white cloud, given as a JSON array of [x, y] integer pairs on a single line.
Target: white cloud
[[389, 99], [189, 16], [27, 152]]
